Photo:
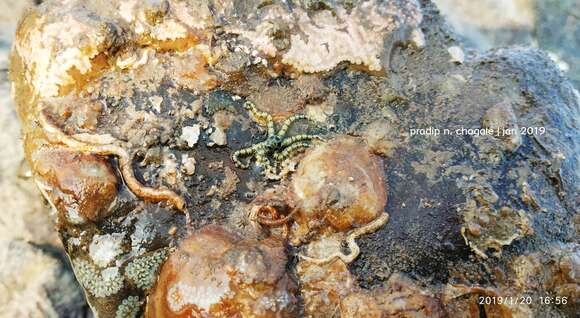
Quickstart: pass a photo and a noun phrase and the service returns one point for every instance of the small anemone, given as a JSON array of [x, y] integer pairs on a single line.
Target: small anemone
[[129, 307], [99, 283], [142, 271]]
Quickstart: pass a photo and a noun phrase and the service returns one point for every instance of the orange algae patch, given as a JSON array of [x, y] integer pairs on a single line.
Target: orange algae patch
[[99, 64]]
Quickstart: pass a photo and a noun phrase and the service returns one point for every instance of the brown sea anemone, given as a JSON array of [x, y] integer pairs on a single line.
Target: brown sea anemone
[[81, 186], [217, 273], [338, 186]]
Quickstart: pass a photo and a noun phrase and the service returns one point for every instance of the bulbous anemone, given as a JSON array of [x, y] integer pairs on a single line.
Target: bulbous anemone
[[217, 273], [81, 186], [340, 184]]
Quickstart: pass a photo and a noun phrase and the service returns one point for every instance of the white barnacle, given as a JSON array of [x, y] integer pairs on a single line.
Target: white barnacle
[[105, 248]]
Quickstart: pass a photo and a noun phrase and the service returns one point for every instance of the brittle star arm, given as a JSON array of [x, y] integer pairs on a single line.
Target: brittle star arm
[[351, 241], [289, 151], [55, 134], [279, 222], [245, 152], [289, 121], [289, 141], [262, 158], [255, 216], [261, 118]]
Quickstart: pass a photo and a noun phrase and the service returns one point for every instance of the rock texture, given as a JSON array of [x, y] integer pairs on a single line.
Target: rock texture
[[149, 120], [35, 278]]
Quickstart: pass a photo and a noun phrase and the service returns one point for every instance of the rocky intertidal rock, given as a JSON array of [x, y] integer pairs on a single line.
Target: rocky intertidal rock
[[234, 159]]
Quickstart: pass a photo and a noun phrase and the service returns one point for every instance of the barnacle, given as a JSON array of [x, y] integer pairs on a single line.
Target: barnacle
[[142, 271], [354, 248], [98, 282], [129, 307], [105, 145], [277, 146]]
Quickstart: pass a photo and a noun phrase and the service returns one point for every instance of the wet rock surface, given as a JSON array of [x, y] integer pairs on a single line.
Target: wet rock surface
[[175, 115]]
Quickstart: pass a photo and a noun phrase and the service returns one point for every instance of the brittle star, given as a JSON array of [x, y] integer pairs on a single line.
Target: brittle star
[[351, 241], [104, 145], [276, 145]]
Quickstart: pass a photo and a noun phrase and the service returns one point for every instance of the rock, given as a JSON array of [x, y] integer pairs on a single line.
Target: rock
[[311, 108], [498, 23], [218, 137], [457, 55], [37, 280], [35, 283], [556, 29]]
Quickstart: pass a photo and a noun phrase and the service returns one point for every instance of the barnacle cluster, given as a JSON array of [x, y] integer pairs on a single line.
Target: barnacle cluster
[[130, 307], [98, 282], [142, 271]]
